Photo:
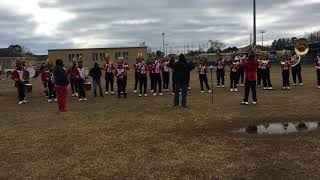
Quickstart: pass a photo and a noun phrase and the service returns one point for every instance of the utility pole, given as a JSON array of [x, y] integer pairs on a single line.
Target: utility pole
[[262, 32], [254, 25], [166, 49], [163, 34], [250, 39]]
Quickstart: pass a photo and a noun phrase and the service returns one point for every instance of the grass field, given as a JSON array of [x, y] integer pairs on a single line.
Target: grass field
[[146, 138]]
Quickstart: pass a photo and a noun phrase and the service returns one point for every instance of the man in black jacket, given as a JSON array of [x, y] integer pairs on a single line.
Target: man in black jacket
[[96, 74], [181, 71]]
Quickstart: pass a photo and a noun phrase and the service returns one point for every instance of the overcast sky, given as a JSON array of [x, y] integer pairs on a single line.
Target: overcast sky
[[48, 24]]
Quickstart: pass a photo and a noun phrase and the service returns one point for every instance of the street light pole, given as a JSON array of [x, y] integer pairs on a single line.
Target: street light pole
[[254, 25], [163, 34], [262, 32]]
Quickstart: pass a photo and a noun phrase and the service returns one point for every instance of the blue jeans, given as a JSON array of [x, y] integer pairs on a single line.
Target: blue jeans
[[97, 82], [184, 87]]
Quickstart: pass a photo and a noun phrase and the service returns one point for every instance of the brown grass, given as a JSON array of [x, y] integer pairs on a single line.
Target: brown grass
[[108, 138]]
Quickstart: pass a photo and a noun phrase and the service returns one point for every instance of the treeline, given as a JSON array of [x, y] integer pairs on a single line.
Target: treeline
[[283, 43]]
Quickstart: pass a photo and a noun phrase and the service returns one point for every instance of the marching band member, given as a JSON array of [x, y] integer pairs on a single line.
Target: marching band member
[[220, 71], [259, 75], [165, 75], [251, 66], [45, 76], [234, 72], [157, 78], [285, 65], [136, 67], [126, 67], [121, 74], [109, 76], [80, 77], [72, 79], [151, 68], [18, 77], [51, 87], [143, 78], [265, 65], [241, 71], [317, 66], [203, 70], [296, 69]]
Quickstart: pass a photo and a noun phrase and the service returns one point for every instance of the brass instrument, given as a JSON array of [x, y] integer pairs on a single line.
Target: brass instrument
[[301, 49]]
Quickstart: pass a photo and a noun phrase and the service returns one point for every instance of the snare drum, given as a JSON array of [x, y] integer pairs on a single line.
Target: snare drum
[[87, 86], [28, 87]]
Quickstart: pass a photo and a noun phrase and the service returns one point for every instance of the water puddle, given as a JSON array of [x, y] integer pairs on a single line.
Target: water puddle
[[280, 128]]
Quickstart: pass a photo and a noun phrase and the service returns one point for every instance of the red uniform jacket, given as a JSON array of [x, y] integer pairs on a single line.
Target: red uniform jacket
[[136, 67], [250, 67], [17, 75], [45, 75], [143, 69], [151, 68], [317, 62]]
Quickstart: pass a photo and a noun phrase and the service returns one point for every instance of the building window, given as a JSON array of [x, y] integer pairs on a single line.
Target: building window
[[125, 55], [74, 57], [117, 55], [102, 56], [95, 56]]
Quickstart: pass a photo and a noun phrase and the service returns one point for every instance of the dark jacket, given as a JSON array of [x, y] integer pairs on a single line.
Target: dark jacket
[[95, 72], [60, 74], [181, 69]]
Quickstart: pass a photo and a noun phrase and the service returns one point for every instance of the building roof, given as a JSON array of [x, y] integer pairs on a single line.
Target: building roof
[[82, 49], [248, 48]]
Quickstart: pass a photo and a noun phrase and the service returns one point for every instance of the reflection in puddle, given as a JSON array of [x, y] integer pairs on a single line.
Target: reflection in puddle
[[280, 128]]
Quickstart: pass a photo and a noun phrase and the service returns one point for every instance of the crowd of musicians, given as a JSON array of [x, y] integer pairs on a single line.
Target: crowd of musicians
[[245, 70]]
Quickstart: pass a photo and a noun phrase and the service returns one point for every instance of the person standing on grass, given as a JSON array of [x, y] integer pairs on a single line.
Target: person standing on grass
[[61, 83], [96, 74], [250, 66], [18, 77], [181, 69]]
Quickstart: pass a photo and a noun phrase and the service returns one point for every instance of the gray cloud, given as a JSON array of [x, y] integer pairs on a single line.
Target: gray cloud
[[103, 23]]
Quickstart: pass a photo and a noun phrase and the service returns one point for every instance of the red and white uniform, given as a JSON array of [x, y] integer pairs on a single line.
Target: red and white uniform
[[136, 67], [221, 64], [157, 68], [286, 66], [234, 67], [121, 73], [151, 68], [80, 73], [143, 69], [18, 75], [266, 65], [317, 62], [165, 66], [45, 75], [108, 68], [202, 69]]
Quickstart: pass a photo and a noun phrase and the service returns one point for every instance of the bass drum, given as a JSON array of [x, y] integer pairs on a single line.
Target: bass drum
[[32, 72]]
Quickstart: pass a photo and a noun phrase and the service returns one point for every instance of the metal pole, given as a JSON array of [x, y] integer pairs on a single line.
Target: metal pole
[[254, 25], [163, 34], [211, 85]]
